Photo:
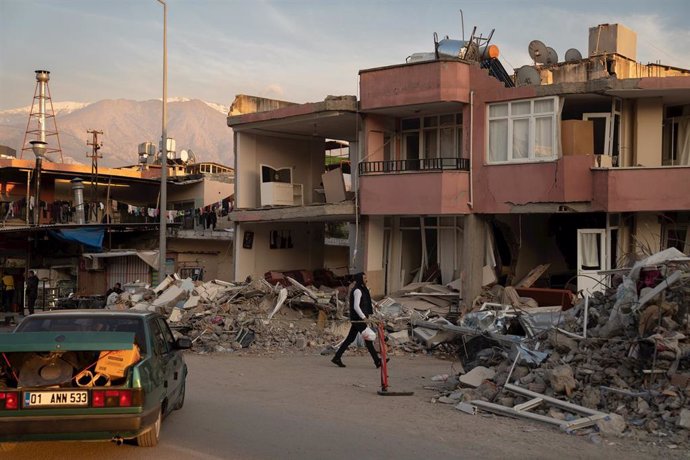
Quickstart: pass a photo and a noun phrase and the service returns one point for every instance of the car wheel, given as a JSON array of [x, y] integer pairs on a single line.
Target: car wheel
[[150, 437], [7, 446], [180, 399]]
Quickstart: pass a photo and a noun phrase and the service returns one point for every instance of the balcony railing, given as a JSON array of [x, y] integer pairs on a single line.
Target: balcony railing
[[423, 164]]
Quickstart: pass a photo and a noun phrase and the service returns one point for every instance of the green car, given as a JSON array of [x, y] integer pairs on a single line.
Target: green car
[[90, 375]]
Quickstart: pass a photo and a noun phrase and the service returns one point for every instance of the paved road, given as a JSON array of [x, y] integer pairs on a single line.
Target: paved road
[[303, 407]]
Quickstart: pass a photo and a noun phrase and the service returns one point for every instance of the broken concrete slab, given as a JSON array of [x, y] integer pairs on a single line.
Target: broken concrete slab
[[175, 316], [476, 376], [684, 419], [191, 302], [170, 297], [399, 338]]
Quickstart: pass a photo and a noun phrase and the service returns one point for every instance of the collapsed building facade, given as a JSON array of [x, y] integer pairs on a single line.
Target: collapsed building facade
[[463, 176]]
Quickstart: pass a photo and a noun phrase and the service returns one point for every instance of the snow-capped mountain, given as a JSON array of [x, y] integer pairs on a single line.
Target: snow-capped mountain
[[194, 124]]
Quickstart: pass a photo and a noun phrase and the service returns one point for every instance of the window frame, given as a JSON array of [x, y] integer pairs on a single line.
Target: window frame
[[422, 129], [532, 117]]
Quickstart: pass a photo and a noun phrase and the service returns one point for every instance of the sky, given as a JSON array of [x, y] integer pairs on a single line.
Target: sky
[[295, 50]]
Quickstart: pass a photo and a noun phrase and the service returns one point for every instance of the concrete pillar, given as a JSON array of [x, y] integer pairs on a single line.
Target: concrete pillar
[[473, 252], [373, 254]]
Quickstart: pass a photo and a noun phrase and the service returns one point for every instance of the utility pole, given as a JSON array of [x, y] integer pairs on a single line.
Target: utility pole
[[164, 153], [95, 147]]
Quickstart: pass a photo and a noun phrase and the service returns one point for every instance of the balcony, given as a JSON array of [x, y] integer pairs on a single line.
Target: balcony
[[641, 189], [424, 164], [433, 186]]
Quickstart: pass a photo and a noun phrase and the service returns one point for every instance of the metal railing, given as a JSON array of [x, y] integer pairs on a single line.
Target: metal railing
[[422, 164]]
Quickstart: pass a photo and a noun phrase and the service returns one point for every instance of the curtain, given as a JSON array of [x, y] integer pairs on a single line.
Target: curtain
[[589, 251], [498, 140], [521, 138], [543, 137], [683, 153]]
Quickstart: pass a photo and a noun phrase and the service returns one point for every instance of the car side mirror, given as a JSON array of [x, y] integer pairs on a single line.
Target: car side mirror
[[183, 343]]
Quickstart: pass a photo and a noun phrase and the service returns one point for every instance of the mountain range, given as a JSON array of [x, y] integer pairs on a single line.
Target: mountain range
[[194, 124]]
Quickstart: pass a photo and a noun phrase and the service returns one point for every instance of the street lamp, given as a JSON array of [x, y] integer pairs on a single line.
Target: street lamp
[[164, 150], [39, 149]]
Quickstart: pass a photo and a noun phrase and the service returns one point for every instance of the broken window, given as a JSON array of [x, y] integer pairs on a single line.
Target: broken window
[[677, 236], [522, 131]]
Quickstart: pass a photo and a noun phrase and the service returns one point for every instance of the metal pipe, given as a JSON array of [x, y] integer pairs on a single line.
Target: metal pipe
[[556, 402], [28, 193], [164, 152], [509, 411], [78, 190], [42, 77], [470, 203], [38, 190]]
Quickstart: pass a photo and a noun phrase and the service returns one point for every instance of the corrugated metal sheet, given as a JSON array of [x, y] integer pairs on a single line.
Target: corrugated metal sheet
[[127, 269]]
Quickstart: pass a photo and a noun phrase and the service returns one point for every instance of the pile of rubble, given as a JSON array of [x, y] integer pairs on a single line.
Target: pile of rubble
[[617, 362], [220, 316]]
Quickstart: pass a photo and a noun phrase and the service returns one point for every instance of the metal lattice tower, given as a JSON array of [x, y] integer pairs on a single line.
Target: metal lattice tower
[[41, 115], [94, 155]]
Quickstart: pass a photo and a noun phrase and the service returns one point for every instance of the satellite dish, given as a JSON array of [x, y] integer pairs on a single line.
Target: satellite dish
[[551, 56], [538, 51], [527, 76], [573, 55], [184, 156], [190, 156]]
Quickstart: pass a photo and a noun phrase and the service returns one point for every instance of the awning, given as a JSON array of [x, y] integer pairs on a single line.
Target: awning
[[150, 257], [89, 237]]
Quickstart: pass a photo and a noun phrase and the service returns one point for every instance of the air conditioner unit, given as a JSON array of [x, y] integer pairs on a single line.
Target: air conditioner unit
[[94, 263]]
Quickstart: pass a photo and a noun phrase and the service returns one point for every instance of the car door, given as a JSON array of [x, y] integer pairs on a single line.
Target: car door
[[171, 359]]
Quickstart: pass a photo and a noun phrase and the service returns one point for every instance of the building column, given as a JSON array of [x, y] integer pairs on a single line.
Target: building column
[[372, 256], [473, 254]]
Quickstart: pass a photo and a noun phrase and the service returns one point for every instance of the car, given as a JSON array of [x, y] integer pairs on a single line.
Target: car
[[90, 375]]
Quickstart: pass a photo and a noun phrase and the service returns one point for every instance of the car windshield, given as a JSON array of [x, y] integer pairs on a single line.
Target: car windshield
[[84, 323]]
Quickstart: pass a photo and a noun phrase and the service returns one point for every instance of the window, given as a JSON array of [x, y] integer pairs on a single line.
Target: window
[[432, 138], [160, 344], [677, 236], [523, 131]]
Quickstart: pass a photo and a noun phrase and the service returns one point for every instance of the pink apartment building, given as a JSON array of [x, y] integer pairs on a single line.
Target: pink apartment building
[[459, 174]]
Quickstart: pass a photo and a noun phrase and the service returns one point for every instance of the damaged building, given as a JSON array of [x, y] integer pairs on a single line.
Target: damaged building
[[466, 175]]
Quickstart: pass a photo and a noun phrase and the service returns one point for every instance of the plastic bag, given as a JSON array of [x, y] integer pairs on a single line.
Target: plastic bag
[[369, 334]]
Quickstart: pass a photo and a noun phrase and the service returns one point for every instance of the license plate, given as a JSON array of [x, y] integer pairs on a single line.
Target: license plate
[[73, 398]]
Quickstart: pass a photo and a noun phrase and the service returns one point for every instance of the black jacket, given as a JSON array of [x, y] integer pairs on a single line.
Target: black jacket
[[32, 286]]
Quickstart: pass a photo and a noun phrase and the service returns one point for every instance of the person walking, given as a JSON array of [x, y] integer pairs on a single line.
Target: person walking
[[8, 292], [360, 309], [31, 291]]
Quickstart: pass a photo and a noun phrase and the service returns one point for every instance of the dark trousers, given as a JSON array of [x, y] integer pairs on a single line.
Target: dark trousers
[[31, 301], [7, 298], [356, 328]]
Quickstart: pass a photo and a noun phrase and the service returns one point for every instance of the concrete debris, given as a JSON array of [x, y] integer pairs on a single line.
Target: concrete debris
[[476, 376], [684, 419], [623, 352]]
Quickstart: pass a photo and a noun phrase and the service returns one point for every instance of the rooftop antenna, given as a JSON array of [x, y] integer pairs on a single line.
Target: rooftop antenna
[[40, 114], [551, 56], [462, 23], [538, 51], [573, 54], [527, 76]]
